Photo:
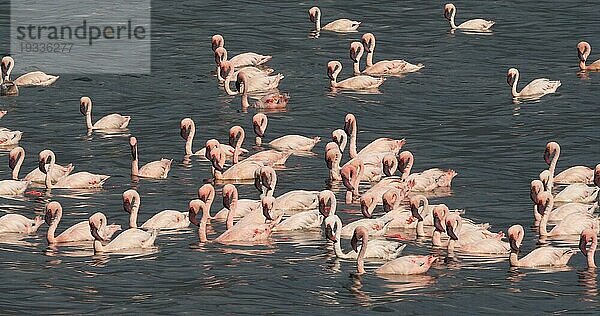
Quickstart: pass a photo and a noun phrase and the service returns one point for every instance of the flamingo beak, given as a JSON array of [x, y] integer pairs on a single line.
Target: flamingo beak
[[447, 14], [184, 132], [12, 162], [437, 223], [42, 165], [127, 205], [48, 217], [94, 232], [330, 73], [580, 54], [324, 208], [266, 212], [415, 213], [257, 130], [510, 79], [365, 210], [513, 244], [547, 156], [329, 233], [450, 232], [312, 16], [354, 242]]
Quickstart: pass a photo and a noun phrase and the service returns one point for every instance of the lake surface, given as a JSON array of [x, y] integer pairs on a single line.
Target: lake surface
[[455, 113]]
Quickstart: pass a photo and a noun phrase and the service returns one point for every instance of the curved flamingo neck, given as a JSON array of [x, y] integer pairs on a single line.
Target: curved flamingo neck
[[17, 169], [554, 162], [513, 90], [352, 146], [542, 228], [245, 103], [361, 254], [48, 179], [238, 146], [407, 169], [134, 161], [50, 235], [356, 64], [336, 72], [133, 215], [231, 213], [452, 23], [203, 223], [591, 251], [318, 21], [514, 258], [227, 85], [582, 65], [189, 141]]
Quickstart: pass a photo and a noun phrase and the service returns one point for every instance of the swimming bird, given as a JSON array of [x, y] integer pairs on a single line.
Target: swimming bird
[[187, 131], [583, 52], [539, 257], [35, 78], [15, 161], [158, 169], [535, 89], [589, 235], [78, 232], [79, 180], [16, 223], [361, 82], [381, 68], [294, 143], [128, 239], [339, 25], [480, 25], [575, 174], [111, 121], [166, 219]]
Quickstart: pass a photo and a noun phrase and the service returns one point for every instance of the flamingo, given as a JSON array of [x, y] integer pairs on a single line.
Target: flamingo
[[380, 146], [111, 121], [425, 181], [294, 143], [255, 81], [484, 246], [15, 223], [240, 171], [15, 161], [265, 181], [535, 89], [361, 82], [539, 257], [35, 78], [575, 174], [381, 68], [167, 219], [469, 232], [299, 221], [8, 88], [128, 239], [78, 232], [404, 265], [333, 157], [158, 169], [273, 100], [572, 224], [238, 61], [270, 157], [559, 213], [79, 180], [339, 25], [378, 248], [583, 52], [9, 138], [480, 25]]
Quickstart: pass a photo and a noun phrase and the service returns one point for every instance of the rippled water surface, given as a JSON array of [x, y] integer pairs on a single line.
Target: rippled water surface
[[455, 113]]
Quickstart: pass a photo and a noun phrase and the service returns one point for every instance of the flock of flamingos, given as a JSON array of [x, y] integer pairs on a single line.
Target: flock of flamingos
[[381, 166]]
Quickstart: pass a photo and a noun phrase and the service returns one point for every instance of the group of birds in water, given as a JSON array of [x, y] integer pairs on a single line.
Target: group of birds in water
[[381, 165]]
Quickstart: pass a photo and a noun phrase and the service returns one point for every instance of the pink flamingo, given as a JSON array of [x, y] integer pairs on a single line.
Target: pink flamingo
[[583, 52], [539, 257], [35, 78], [187, 131], [378, 248], [238, 61], [535, 89], [427, 180], [167, 219], [589, 235], [128, 239], [559, 213], [469, 232], [381, 68], [575, 174], [158, 169], [333, 157], [13, 187], [15, 223], [265, 181], [9, 138], [285, 143], [478, 25], [255, 79], [79, 180], [572, 224], [111, 121], [404, 265], [15, 161], [351, 174], [270, 157], [339, 25], [361, 82], [382, 145], [243, 170], [78, 232], [484, 246], [310, 219]]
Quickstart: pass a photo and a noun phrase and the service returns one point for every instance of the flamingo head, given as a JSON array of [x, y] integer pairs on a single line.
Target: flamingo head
[[259, 123], [220, 55], [43, 159], [439, 215], [356, 51], [230, 195], [512, 74], [226, 68], [326, 202], [235, 133], [588, 235], [185, 127], [13, 157], [332, 155], [97, 221], [313, 14], [53, 211], [359, 234], [194, 208], [415, 203], [241, 81], [448, 9], [210, 145], [390, 164], [330, 223], [390, 199], [349, 122], [550, 151], [217, 158], [367, 205], [583, 50], [206, 192], [130, 199], [133, 145], [6, 65], [349, 173], [597, 175], [536, 188], [515, 237], [332, 69], [544, 202], [452, 221], [217, 41], [405, 159], [267, 203], [85, 105], [368, 41], [340, 137]]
